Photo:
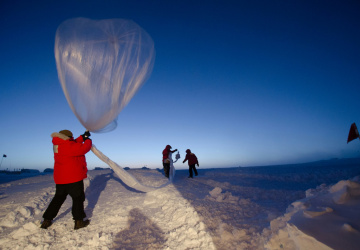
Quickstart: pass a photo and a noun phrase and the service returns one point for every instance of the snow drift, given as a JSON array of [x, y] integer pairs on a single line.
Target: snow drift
[[280, 207]]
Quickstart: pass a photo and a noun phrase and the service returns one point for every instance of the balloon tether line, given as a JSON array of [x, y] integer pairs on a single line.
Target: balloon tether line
[[126, 177]]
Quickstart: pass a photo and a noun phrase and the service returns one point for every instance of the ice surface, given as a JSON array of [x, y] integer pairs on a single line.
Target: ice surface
[[284, 207]]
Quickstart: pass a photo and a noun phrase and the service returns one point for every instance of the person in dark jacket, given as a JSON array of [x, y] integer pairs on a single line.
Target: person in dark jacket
[[166, 160], [69, 172], [192, 160]]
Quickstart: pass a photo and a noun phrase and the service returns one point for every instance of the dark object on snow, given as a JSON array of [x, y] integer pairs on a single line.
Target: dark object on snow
[[353, 133], [46, 223], [30, 171], [80, 224], [4, 156], [99, 168]]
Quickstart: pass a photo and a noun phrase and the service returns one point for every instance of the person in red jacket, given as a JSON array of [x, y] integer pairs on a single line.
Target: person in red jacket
[[69, 172], [192, 160], [166, 160]]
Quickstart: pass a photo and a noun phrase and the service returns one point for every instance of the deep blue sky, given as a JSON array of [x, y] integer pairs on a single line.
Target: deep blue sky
[[240, 83]]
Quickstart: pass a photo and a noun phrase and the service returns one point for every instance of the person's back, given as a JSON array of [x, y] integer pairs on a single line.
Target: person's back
[[69, 155], [190, 157], [192, 160], [69, 172]]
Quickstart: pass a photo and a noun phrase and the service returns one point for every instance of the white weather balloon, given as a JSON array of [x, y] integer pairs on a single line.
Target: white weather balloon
[[101, 65]]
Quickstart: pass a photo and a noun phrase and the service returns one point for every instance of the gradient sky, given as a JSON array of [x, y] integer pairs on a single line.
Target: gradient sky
[[240, 83]]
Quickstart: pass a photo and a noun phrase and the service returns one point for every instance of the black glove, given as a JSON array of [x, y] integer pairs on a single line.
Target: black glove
[[86, 135]]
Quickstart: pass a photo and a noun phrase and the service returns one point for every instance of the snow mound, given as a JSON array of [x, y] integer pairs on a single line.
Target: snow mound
[[317, 222], [217, 195], [17, 217], [344, 191]]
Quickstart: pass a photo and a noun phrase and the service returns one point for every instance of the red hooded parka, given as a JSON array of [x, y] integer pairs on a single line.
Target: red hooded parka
[[166, 152], [69, 156], [191, 158]]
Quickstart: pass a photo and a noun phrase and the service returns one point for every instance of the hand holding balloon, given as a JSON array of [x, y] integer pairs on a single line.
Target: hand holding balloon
[[86, 135]]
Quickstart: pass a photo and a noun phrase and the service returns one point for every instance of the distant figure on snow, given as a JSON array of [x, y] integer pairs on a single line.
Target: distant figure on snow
[[69, 172], [192, 160], [167, 159]]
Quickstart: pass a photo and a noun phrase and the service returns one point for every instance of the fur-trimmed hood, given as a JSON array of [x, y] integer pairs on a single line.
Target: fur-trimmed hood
[[59, 135]]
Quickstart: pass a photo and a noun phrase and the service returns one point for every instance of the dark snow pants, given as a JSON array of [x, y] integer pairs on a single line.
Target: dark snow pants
[[166, 169], [76, 192], [191, 168]]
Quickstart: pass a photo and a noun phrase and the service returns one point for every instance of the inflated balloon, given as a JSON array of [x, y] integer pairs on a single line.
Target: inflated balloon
[[101, 64]]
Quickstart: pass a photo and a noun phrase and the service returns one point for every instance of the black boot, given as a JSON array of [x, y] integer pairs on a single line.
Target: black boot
[[80, 224], [46, 223]]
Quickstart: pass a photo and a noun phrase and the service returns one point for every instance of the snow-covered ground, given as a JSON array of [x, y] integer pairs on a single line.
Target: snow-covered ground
[[277, 207]]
